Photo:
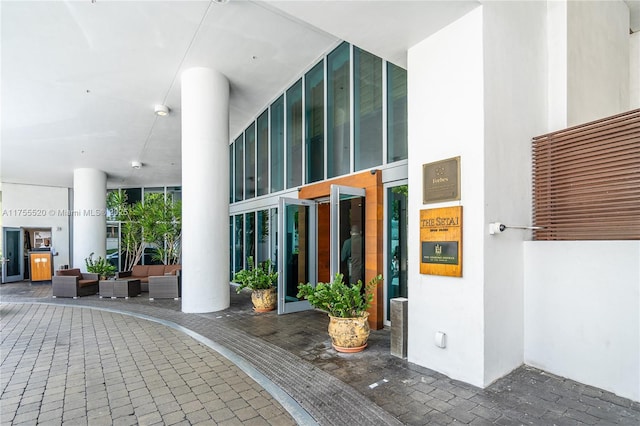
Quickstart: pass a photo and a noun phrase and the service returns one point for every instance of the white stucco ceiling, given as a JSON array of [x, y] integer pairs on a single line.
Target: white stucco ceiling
[[79, 79]]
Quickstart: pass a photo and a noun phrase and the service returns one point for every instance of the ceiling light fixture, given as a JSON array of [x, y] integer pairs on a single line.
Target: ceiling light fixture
[[136, 164], [220, 1], [161, 110]]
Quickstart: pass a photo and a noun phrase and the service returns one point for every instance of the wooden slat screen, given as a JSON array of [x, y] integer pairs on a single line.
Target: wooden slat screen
[[586, 181]]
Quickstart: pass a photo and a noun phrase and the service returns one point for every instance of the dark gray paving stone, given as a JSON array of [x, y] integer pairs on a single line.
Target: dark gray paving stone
[[327, 384]]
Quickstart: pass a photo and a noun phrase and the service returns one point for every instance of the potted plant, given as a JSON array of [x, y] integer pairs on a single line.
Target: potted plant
[[100, 266], [347, 306], [261, 280]]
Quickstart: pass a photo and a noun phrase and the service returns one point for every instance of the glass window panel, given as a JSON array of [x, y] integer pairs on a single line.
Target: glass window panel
[[314, 128], [262, 232], [231, 252], [277, 145], [153, 191], [231, 174], [263, 154], [273, 230], [250, 161], [174, 193], [250, 235], [294, 135], [238, 242], [338, 116], [396, 244], [368, 109], [239, 168], [396, 113], [111, 212], [133, 195]]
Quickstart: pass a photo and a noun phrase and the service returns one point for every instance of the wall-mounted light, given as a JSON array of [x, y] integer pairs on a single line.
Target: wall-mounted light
[[136, 164], [161, 110]]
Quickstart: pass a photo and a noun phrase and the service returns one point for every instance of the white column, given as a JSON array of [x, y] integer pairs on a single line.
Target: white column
[[205, 191], [89, 220]]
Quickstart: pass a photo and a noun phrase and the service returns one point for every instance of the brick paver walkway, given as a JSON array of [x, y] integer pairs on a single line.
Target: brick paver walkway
[[293, 355], [67, 365]]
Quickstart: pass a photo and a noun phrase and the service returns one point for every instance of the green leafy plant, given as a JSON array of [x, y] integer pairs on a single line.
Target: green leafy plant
[[256, 277], [156, 223], [339, 299], [100, 266]]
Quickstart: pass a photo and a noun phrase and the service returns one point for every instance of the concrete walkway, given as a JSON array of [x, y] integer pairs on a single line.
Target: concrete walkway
[[137, 361]]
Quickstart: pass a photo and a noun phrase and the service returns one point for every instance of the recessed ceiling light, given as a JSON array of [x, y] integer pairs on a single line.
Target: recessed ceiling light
[[161, 110], [136, 164]]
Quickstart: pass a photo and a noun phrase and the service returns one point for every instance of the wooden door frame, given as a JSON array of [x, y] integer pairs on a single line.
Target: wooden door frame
[[371, 181]]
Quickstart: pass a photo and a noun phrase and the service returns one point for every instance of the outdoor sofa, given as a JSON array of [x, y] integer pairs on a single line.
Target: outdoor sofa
[[73, 283], [160, 281]]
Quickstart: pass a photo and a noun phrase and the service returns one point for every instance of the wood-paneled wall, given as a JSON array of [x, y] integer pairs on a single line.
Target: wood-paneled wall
[[372, 184]]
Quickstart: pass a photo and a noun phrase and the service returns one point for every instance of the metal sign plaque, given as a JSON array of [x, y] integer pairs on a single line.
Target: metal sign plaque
[[441, 241], [440, 252], [441, 181]]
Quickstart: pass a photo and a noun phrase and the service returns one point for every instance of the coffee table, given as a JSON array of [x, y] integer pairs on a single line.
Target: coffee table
[[119, 288]]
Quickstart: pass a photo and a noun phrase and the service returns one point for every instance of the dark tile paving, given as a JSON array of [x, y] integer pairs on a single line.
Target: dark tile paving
[[372, 387]]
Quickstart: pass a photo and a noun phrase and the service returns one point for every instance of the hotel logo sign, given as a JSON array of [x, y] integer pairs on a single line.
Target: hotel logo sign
[[441, 241]]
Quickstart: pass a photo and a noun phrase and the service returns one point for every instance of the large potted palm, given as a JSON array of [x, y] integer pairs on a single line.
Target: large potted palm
[[261, 279], [346, 304]]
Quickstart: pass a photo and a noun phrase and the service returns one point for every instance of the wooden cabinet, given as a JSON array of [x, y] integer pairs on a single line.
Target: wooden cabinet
[[41, 266]]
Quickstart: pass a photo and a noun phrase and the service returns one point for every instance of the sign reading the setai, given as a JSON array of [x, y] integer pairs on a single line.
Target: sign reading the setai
[[441, 241]]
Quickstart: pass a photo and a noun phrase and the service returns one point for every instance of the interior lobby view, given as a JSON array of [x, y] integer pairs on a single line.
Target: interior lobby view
[[474, 165]]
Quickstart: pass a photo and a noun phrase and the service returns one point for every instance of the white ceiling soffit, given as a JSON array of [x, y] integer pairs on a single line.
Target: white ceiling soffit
[[80, 79], [385, 28]]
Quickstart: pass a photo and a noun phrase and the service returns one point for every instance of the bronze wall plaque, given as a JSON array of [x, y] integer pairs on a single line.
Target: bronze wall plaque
[[441, 241], [441, 181]]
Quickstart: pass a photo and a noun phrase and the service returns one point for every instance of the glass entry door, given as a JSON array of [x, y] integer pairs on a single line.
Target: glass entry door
[[12, 255], [297, 263], [347, 232]]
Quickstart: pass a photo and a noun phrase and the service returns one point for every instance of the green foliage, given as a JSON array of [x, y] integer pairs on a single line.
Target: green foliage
[[338, 298], [100, 266], [155, 223], [256, 277]]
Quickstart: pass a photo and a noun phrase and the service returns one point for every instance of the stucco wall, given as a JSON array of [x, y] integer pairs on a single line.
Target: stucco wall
[[515, 63], [445, 112], [634, 70], [32, 206], [597, 59], [582, 312]]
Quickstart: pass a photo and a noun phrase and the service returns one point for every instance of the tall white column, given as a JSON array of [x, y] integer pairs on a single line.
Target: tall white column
[[205, 191], [89, 220]]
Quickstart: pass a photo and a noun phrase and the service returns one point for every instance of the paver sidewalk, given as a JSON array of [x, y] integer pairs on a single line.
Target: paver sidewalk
[[293, 352], [71, 365]]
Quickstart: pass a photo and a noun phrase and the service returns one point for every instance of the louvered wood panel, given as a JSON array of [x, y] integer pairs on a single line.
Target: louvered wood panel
[[586, 181]]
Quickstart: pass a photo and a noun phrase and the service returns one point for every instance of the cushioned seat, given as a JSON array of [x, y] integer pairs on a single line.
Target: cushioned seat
[[73, 283], [143, 272]]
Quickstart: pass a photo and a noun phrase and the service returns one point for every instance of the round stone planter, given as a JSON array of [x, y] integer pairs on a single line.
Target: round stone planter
[[264, 300], [349, 334]]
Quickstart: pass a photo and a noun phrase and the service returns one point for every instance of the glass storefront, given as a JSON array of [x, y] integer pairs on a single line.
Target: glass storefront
[[239, 168], [294, 135], [396, 218], [396, 113], [368, 109], [314, 120], [250, 162], [338, 115], [262, 148], [347, 113]]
